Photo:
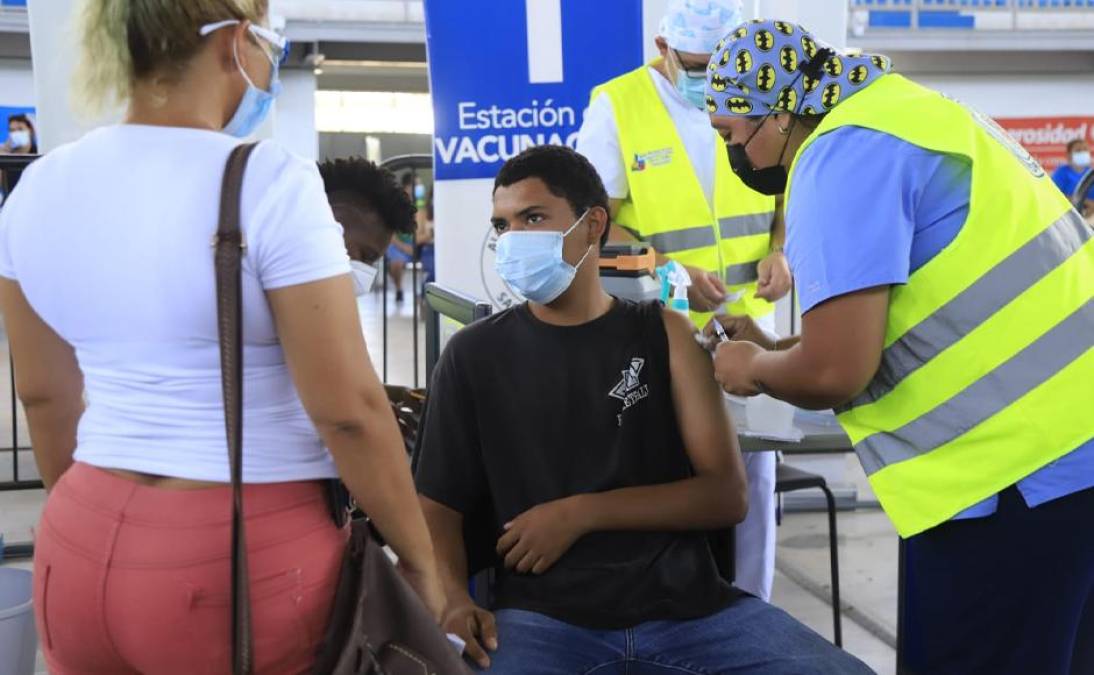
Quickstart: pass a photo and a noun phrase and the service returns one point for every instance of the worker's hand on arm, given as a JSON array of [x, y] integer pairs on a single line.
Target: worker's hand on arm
[[839, 352], [774, 277], [740, 328], [733, 367], [48, 381], [535, 540], [707, 292], [461, 616]]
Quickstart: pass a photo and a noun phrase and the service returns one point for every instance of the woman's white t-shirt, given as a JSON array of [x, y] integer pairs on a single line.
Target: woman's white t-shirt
[[110, 240]]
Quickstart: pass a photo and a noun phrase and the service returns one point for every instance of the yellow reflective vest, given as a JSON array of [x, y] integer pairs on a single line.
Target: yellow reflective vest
[[667, 206], [988, 367]]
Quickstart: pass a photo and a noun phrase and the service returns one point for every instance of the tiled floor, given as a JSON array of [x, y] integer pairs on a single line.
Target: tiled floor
[[867, 541]]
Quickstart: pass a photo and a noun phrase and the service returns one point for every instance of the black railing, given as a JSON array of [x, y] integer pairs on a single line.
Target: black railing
[[11, 167], [414, 163]]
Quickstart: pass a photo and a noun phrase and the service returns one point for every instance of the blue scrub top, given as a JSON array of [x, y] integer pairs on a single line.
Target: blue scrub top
[[868, 209], [1067, 179]]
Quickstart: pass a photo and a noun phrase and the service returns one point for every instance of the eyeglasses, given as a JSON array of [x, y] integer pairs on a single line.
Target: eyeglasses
[[695, 72], [274, 44]]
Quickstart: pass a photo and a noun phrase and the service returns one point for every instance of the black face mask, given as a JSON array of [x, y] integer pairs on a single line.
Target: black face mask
[[770, 180]]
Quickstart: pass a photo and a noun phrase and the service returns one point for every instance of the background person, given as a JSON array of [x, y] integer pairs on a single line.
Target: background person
[[947, 289], [372, 209], [1067, 175], [648, 135], [108, 288], [22, 138]]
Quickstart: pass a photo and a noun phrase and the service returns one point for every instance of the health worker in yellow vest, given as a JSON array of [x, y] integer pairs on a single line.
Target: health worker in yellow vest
[[648, 135], [947, 291]]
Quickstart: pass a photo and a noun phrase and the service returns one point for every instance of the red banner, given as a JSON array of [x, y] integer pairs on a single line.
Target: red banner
[[1046, 138]]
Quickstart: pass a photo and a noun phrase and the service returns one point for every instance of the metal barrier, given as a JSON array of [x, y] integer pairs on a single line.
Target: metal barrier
[[414, 163], [11, 167], [1082, 189], [451, 304]]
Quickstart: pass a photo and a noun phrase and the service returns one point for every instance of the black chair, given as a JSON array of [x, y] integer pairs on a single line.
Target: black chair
[[790, 479]]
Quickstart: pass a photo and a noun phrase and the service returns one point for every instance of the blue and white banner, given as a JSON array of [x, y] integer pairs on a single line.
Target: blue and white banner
[[506, 75]]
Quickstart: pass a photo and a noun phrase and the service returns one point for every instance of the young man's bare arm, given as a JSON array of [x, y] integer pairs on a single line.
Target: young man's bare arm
[[715, 497]]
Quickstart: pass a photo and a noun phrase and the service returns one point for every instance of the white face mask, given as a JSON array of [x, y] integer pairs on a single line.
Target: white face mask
[[20, 139], [1081, 158], [364, 276]]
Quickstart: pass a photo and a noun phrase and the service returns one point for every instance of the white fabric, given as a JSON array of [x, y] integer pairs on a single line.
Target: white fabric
[[110, 240], [696, 26], [755, 549], [757, 534], [598, 139]]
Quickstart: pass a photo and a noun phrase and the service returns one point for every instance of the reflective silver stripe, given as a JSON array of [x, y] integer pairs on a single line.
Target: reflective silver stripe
[[683, 240], [976, 304], [993, 392], [744, 226], [745, 273]]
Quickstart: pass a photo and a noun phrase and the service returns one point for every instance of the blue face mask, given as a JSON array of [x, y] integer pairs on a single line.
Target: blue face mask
[[255, 105], [693, 89], [532, 263]]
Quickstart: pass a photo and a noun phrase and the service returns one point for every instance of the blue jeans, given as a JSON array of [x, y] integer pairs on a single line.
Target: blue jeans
[[750, 636]]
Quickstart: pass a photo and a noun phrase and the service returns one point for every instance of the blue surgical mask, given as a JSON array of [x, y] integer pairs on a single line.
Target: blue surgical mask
[[532, 263], [255, 105], [693, 89]]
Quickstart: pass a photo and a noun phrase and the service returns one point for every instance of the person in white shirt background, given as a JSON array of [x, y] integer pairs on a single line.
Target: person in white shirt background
[[687, 35]]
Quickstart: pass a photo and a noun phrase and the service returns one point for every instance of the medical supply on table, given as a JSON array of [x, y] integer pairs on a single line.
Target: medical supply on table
[[770, 417], [627, 271], [675, 275], [722, 337]]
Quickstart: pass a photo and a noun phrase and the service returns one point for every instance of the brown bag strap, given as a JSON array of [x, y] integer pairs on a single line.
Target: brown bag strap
[[229, 244]]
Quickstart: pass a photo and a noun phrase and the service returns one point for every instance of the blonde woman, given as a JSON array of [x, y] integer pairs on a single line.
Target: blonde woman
[[107, 292]]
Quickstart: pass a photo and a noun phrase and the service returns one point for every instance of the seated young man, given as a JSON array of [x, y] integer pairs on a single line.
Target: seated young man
[[594, 429], [371, 207]]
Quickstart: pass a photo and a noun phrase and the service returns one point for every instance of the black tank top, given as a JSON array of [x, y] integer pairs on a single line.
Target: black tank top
[[556, 411]]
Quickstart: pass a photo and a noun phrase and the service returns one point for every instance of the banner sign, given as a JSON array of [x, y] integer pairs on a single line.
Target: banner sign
[[506, 76], [1046, 138]]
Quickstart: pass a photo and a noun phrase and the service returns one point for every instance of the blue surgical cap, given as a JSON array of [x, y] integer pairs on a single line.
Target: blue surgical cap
[[696, 26], [778, 66]]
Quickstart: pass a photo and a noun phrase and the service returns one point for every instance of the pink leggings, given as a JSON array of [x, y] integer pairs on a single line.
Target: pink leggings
[[134, 579]]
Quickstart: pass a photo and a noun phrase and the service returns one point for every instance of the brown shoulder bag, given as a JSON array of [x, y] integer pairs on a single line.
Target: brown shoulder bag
[[378, 625]]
